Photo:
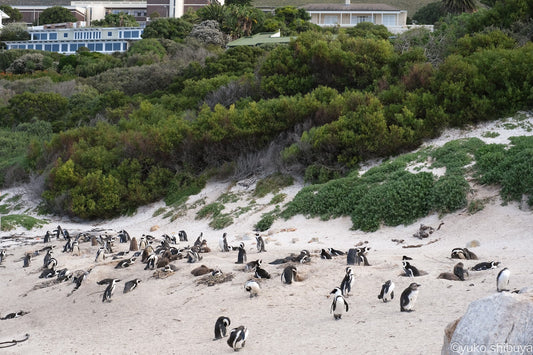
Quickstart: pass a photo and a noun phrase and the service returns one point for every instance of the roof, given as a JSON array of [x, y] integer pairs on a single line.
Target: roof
[[50, 3], [349, 7], [258, 39]]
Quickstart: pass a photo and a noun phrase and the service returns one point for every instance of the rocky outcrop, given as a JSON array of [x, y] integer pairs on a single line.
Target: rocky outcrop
[[498, 324]]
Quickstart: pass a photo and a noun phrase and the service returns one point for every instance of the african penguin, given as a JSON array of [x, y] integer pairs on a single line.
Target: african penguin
[[2, 255], [76, 248], [288, 274], [47, 237], [151, 262], [252, 287], [339, 304], [408, 297], [220, 327], [410, 270], [182, 235], [459, 271], [260, 243], [486, 265], [109, 290], [387, 291], [47, 257], [237, 338], [252, 265], [131, 285], [502, 280], [324, 254], [261, 273], [223, 243], [241, 257], [100, 255], [142, 243], [347, 282]]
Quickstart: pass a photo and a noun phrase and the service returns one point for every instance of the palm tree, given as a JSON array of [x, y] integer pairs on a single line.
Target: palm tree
[[460, 6]]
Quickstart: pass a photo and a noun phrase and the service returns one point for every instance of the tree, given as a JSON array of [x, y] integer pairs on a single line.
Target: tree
[[459, 6], [14, 32], [14, 14], [238, 2], [56, 14], [429, 14], [169, 28], [116, 20]]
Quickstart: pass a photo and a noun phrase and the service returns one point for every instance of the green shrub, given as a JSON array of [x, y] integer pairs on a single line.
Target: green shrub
[[182, 186], [449, 193], [211, 210], [221, 221], [10, 222], [267, 219], [272, 184]]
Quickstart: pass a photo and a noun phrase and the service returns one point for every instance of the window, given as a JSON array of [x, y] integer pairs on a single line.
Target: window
[[109, 34], [91, 47], [360, 19], [124, 47], [73, 47], [108, 47], [30, 46], [48, 47], [44, 36], [116, 46], [134, 34], [389, 20], [99, 47], [53, 36], [39, 47], [64, 47], [331, 19], [127, 34], [36, 36], [55, 47], [65, 35]]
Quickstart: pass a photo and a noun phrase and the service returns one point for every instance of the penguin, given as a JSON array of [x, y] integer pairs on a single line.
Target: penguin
[[339, 304], [502, 280], [223, 243], [2, 255], [261, 273], [68, 245], [151, 262], [182, 235], [52, 263], [408, 297], [124, 236], [125, 263], [47, 237], [109, 290], [237, 338], [252, 265], [335, 252], [131, 285], [76, 248], [14, 315], [47, 257], [347, 282], [192, 256], [252, 287], [405, 257], [134, 246], [387, 291], [100, 255], [304, 257], [410, 270], [79, 278], [459, 271], [64, 275], [469, 255], [360, 257], [486, 265], [324, 254], [198, 242], [288, 274], [351, 256], [260, 243], [58, 231], [220, 327], [201, 270], [241, 258], [142, 243]]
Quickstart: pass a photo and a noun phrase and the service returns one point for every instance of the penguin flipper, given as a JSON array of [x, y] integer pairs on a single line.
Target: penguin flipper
[[392, 295]]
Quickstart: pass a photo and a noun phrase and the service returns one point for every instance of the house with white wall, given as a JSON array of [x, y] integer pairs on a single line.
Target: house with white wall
[[3, 16], [349, 15]]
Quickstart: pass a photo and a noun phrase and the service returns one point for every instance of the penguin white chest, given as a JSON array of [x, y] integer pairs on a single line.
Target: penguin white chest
[[413, 295]]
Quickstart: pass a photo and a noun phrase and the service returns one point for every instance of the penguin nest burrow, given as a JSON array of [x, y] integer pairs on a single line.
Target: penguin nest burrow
[[211, 280]]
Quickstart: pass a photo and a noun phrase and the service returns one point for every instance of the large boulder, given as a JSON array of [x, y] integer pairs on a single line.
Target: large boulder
[[498, 324]]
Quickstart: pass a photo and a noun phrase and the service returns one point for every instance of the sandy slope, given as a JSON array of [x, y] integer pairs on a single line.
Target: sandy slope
[[177, 315]]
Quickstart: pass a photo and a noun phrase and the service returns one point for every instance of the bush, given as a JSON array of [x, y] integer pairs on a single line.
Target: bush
[[182, 186], [272, 184]]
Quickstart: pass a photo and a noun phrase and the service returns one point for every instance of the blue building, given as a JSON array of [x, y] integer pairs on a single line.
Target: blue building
[[68, 40]]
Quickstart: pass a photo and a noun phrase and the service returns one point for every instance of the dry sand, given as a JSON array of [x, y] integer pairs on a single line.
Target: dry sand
[[176, 315]]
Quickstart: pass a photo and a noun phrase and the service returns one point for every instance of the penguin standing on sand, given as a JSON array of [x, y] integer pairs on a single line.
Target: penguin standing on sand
[[109, 290], [410, 270], [339, 304], [47, 237], [502, 280], [261, 273], [347, 282], [387, 291], [182, 235], [100, 255], [241, 258], [2, 255], [260, 243], [252, 287], [27, 260], [221, 325], [131, 285], [237, 338], [47, 257], [408, 297], [76, 248], [288, 274], [223, 243]]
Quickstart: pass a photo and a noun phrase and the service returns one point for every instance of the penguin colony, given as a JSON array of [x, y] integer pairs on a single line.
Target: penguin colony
[[157, 254]]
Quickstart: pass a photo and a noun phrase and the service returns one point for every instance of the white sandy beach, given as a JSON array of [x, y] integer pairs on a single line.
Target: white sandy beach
[[176, 315]]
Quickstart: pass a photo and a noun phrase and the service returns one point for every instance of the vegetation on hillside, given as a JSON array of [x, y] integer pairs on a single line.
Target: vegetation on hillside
[[113, 132]]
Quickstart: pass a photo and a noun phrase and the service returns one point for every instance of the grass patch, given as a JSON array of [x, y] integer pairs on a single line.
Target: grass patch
[[211, 210], [277, 199], [490, 135], [221, 221], [12, 221], [5, 208], [267, 219], [228, 197], [182, 186], [272, 183], [475, 206], [241, 210], [159, 211]]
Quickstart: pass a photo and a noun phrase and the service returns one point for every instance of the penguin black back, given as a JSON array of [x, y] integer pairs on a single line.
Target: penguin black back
[[221, 327], [289, 274], [241, 258]]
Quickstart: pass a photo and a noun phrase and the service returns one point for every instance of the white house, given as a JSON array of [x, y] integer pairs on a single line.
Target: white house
[[349, 15]]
